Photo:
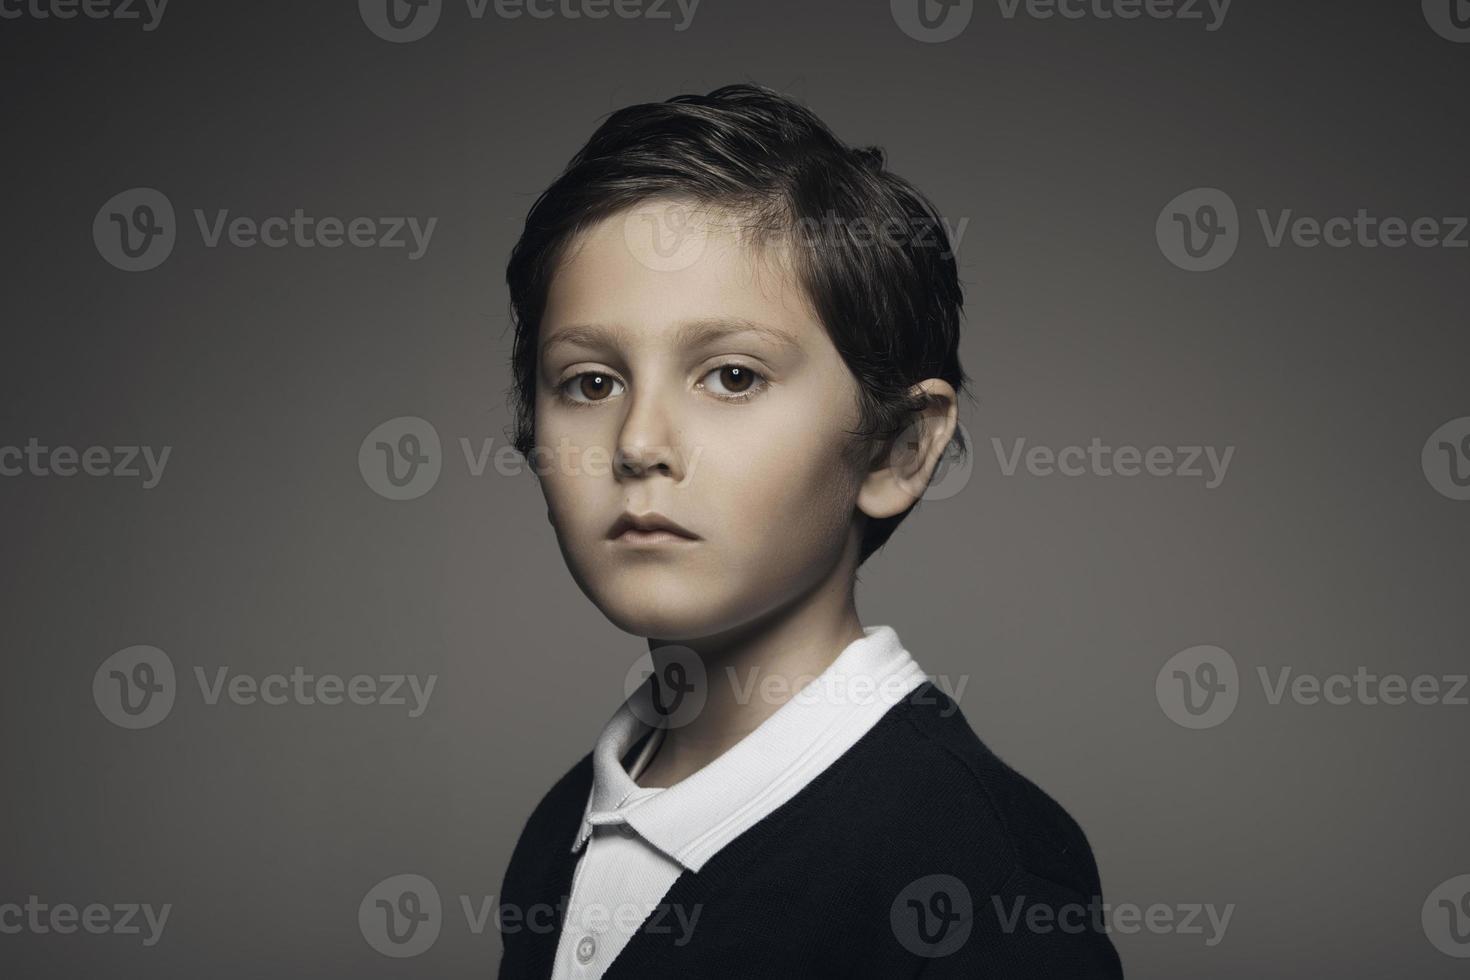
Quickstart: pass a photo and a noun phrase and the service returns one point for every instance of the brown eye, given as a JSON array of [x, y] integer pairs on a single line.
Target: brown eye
[[592, 386], [596, 386], [735, 378], [733, 382]]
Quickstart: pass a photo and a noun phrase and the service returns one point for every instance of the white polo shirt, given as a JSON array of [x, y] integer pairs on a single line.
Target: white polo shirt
[[643, 838]]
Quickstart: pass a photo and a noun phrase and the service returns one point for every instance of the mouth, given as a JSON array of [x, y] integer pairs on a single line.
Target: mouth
[[649, 529]]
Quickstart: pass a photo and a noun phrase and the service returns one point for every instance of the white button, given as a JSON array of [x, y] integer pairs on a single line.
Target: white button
[[586, 949]]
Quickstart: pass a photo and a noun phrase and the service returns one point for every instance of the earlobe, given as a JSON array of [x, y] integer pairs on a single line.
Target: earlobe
[[899, 477]]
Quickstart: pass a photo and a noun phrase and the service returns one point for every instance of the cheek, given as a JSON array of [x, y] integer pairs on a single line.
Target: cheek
[[561, 456], [561, 496], [784, 475], [579, 505]]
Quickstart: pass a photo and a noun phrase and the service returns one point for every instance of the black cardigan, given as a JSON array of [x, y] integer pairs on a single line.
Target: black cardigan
[[836, 882]]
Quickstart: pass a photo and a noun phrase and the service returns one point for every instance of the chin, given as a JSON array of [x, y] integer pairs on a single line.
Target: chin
[[673, 607]]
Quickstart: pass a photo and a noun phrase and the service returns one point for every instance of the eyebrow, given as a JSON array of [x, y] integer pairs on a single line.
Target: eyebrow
[[690, 334]]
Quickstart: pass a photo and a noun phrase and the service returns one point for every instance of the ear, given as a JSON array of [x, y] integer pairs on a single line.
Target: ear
[[900, 473]]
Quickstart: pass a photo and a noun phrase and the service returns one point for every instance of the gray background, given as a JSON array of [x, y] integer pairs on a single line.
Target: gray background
[[1058, 599]]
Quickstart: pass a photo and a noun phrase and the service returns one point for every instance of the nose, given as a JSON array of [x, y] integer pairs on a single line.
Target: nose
[[646, 439]]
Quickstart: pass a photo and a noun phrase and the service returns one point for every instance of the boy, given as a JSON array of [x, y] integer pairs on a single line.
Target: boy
[[736, 368]]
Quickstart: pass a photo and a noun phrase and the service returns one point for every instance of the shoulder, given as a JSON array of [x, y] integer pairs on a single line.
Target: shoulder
[[995, 877], [975, 803]]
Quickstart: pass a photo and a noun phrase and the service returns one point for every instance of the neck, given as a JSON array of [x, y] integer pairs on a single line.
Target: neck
[[750, 671]]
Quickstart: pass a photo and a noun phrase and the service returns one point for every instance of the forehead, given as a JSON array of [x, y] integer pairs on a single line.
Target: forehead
[[655, 268]]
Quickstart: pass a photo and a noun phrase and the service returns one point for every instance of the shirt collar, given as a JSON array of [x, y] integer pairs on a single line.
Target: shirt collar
[[691, 820]]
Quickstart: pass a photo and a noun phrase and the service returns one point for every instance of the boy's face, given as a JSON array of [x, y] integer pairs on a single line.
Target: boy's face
[[698, 386]]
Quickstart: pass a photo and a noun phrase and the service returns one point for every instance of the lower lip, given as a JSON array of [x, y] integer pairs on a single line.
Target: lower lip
[[636, 536]]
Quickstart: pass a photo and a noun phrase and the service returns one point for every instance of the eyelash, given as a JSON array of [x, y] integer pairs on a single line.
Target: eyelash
[[759, 383]]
